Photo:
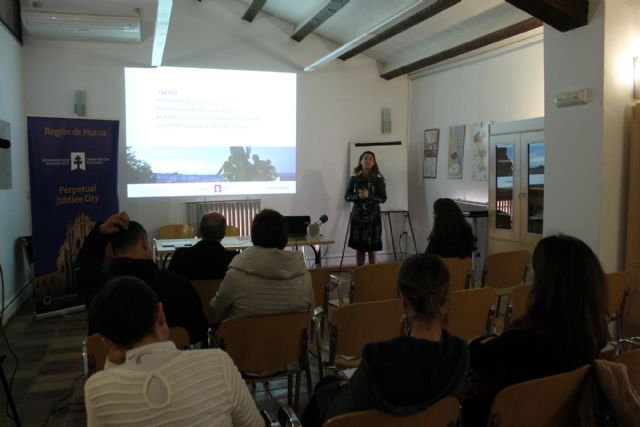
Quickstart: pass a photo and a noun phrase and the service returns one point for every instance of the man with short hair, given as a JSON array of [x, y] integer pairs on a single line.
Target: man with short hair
[[265, 279], [132, 256], [147, 381], [207, 259]]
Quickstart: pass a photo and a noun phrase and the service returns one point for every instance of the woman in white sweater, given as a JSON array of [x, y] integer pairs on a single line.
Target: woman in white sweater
[[147, 381], [265, 279]]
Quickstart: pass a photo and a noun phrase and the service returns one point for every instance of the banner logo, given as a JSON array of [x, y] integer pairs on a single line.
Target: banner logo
[[77, 161]]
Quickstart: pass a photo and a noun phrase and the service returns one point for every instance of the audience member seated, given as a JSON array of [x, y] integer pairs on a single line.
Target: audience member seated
[[132, 256], [265, 279], [147, 381], [451, 235], [564, 327], [207, 259], [408, 374]]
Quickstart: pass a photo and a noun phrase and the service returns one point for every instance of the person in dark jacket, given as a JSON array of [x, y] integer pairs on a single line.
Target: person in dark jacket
[[407, 374], [207, 259], [564, 328], [451, 235], [132, 256]]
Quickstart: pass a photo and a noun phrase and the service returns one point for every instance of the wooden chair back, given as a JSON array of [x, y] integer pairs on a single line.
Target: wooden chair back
[[320, 278], [505, 269], [518, 299], [358, 324], [374, 282], [471, 312], [545, 402], [176, 231], [231, 230], [443, 413], [460, 273], [618, 285], [180, 337], [94, 354], [206, 290], [631, 359], [263, 343]]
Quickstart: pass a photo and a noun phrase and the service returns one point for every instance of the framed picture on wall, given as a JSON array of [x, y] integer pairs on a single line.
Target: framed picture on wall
[[430, 162]]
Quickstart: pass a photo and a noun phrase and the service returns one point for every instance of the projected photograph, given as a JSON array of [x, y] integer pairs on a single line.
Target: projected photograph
[[194, 132], [211, 164]]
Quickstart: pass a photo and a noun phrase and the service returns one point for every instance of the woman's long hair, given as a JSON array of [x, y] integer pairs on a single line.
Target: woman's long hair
[[374, 172], [450, 230], [569, 294]]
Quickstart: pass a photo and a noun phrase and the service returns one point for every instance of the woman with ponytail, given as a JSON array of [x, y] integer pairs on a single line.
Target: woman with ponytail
[[407, 374]]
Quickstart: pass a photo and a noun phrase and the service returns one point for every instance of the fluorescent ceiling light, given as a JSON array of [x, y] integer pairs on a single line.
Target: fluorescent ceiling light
[[372, 32], [162, 29]]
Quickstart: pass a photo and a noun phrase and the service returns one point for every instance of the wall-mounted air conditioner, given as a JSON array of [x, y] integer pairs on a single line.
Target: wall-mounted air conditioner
[[79, 26]]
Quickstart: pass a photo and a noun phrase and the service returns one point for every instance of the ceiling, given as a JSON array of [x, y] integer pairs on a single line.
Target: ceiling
[[428, 33]]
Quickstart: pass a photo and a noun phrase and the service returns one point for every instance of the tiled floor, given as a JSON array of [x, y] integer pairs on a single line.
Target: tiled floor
[[48, 383], [49, 354]]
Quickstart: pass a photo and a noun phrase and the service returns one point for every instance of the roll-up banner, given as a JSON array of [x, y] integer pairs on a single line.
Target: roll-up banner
[[73, 168]]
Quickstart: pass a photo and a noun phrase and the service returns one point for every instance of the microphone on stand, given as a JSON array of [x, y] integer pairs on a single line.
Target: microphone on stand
[[313, 229]]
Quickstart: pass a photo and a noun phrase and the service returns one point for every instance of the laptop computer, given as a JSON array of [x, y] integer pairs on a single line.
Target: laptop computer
[[297, 225]]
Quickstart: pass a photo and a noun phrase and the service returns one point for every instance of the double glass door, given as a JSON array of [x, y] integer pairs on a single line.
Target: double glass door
[[516, 188]]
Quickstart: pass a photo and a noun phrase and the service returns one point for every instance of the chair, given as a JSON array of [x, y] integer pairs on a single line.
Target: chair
[[231, 230], [320, 281], [355, 325], [206, 290], [518, 298], [631, 359], [180, 337], [504, 270], [94, 354], [443, 413], [176, 231], [618, 286], [460, 273], [550, 401], [374, 282], [265, 347], [471, 312]]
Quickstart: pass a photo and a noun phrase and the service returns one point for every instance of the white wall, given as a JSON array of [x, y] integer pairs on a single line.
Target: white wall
[[14, 205], [587, 145], [499, 86], [621, 44], [339, 103]]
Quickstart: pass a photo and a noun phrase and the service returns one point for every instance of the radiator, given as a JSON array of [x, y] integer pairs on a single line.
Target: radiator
[[237, 212]]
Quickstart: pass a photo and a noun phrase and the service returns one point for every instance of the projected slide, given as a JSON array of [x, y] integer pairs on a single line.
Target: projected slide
[[203, 132]]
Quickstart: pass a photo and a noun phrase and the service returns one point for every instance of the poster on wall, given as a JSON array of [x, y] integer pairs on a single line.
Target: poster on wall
[[456, 152], [480, 161], [5, 156], [73, 173], [430, 162]]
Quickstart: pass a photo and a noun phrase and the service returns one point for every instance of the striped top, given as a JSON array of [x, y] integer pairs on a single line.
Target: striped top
[[159, 385]]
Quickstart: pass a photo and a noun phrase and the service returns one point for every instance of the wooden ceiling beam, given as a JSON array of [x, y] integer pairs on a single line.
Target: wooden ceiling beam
[[420, 16], [319, 16], [496, 36], [254, 8], [563, 15]]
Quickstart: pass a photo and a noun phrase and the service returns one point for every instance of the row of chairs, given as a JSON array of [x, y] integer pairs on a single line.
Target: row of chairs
[[187, 231]]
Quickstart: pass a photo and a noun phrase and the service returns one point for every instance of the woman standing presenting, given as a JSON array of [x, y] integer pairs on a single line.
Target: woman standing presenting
[[366, 189]]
